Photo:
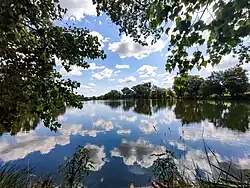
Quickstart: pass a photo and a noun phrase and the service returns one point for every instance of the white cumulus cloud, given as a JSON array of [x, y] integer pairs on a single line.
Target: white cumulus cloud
[[75, 71], [126, 47], [127, 79], [178, 145], [146, 71], [83, 88], [93, 66], [77, 9], [151, 80], [92, 84], [122, 66], [117, 72], [106, 73]]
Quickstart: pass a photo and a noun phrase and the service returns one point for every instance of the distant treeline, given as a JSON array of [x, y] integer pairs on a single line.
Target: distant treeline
[[140, 91], [229, 84]]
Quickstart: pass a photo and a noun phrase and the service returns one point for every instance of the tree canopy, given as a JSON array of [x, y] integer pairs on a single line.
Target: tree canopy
[[233, 81], [227, 24], [32, 39]]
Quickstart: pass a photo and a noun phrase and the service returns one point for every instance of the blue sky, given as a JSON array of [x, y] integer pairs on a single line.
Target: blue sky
[[127, 63]]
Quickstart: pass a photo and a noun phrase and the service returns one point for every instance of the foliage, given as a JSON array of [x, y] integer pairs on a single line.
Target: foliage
[[185, 23], [127, 93], [33, 40], [212, 85], [140, 106], [171, 94], [76, 168], [158, 93], [113, 94], [235, 81], [140, 91], [193, 87], [180, 83], [166, 171]]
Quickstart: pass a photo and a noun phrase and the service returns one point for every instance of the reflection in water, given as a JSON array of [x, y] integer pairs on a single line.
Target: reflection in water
[[233, 115], [128, 118], [148, 126], [106, 125], [124, 140], [138, 152], [208, 131], [222, 114], [26, 121], [113, 104], [123, 131], [97, 156], [128, 105], [143, 107], [26, 143]]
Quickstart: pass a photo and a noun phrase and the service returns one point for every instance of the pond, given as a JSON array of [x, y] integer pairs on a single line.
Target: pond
[[123, 135]]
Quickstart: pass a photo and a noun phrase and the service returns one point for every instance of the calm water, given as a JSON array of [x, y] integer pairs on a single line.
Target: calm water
[[123, 135]]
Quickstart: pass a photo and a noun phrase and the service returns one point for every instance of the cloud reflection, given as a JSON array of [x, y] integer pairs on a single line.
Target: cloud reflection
[[97, 155], [137, 152], [106, 125], [148, 126], [208, 131], [123, 131], [88, 110], [128, 118], [26, 143]]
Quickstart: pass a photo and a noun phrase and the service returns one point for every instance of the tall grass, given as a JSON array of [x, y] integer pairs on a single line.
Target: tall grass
[[167, 173], [73, 171], [12, 176]]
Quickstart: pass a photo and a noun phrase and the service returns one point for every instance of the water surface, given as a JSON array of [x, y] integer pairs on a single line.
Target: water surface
[[123, 135]]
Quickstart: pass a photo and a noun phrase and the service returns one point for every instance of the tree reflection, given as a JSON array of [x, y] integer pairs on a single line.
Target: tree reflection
[[143, 107], [161, 104], [234, 116], [128, 104], [189, 112], [149, 107], [113, 104], [27, 120]]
